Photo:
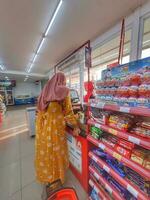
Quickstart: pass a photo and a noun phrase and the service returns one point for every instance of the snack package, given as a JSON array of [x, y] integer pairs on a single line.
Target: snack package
[[146, 163], [138, 155], [99, 116], [135, 79], [96, 132], [126, 144], [122, 122], [125, 152], [133, 91]]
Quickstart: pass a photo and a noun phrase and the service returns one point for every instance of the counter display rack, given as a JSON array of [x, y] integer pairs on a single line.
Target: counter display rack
[[127, 136], [101, 193], [124, 135], [141, 111], [112, 191]]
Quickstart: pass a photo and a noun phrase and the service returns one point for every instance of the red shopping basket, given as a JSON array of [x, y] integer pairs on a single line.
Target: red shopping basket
[[61, 193], [64, 194]]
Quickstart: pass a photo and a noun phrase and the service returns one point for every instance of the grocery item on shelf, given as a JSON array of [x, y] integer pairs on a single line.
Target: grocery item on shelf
[[141, 128], [122, 122], [132, 88], [126, 144], [96, 132], [121, 190], [99, 116], [112, 162], [94, 195], [139, 155], [125, 152], [110, 140], [138, 180]]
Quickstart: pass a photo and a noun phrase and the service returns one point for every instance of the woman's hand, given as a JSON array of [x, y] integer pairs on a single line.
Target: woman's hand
[[76, 131]]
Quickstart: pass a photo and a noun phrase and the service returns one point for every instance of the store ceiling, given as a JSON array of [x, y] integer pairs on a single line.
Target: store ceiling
[[22, 23]]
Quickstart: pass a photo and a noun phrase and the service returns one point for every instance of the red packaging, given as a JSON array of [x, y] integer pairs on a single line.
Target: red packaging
[[135, 79], [126, 144], [123, 151], [146, 163], [133, 91], [143, 90]]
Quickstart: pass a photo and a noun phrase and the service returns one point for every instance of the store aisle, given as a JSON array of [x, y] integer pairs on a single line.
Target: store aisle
[[17, 174]]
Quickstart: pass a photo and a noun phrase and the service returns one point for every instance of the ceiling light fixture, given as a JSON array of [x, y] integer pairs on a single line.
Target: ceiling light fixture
[[1, 67], [45, 34], [53, 17], [40, 45]]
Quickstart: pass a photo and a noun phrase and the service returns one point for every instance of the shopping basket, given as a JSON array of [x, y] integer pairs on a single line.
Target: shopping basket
[[63, 193]]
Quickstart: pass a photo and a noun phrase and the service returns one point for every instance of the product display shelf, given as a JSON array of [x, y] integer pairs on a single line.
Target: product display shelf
[[142, 111], [101, 193], [127, 162], [134, 190], [111, 190], [124, 135]]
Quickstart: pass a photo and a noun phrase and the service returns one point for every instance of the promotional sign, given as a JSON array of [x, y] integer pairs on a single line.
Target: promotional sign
[[87, 57], [74, 148]]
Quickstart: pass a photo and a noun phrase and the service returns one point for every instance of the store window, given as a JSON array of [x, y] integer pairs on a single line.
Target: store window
[[108, 53], [146, 39]]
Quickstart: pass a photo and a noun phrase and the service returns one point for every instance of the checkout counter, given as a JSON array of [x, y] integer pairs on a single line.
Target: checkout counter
[[78, 146]]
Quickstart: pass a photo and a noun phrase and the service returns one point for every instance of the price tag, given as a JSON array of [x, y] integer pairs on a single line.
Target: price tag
[[94, 158], [92, 104], [91, 183], [134, 140], [125, 109], [96, 189], [97, 125], [101, 105], [112, 131], [106, 168], [96, 175], [132, 190], [117, 156], [101, 146], [108, 188]]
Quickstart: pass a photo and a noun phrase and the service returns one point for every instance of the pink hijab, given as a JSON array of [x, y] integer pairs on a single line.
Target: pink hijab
[[54, 90]]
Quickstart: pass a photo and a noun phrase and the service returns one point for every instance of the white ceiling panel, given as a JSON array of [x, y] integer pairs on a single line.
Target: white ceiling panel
[[22, 23]]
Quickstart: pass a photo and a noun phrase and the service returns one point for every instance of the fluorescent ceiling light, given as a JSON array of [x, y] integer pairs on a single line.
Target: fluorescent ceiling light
[[1, 67], [34, 58], [53, 17], [45, 34], [30, 67], [40, 45]]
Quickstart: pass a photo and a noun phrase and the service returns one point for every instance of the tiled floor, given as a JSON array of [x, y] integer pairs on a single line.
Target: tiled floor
[[17, 174]]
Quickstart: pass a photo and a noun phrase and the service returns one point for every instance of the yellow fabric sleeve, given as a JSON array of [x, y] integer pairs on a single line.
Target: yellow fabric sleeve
[[68, 112]]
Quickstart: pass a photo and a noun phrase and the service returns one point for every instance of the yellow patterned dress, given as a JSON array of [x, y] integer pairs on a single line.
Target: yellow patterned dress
[[51, 144]]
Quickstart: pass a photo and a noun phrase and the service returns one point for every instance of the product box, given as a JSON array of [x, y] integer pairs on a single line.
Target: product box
[[125, 69]]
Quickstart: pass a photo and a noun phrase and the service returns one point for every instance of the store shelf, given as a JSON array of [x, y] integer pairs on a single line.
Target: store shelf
[[124, 135], [111, 190], [134, 190], [142, 111], [133, 165], [102, 194]]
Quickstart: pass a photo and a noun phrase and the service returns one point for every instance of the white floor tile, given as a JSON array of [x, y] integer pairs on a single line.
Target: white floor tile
[[9, 151], [32, 192], [27, 170], [27, 144], [9, 180], [16, 196]]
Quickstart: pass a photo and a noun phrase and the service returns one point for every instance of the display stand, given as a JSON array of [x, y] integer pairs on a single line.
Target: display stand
[[78, 157]]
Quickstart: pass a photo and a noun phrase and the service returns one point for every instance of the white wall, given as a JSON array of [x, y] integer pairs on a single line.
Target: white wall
[[27, 88]]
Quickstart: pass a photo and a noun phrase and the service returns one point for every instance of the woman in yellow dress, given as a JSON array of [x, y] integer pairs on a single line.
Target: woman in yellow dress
[[54, 109]]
